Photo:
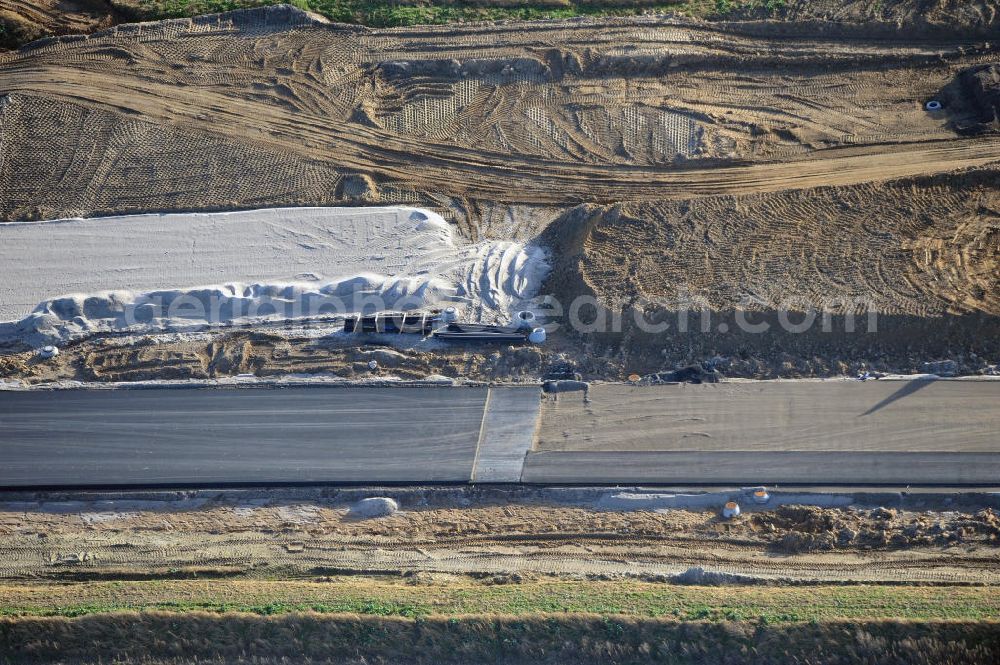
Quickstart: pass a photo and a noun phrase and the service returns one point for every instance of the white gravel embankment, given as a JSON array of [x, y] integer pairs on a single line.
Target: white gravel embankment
[[64, 279]]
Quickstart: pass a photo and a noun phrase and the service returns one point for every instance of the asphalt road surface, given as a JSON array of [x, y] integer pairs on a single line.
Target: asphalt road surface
[[206, 436]]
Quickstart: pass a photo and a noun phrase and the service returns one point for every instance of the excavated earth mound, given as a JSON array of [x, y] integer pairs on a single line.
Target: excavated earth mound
[[259, 539], [808, 528], [780, 284], [923, 248], [982, 85]]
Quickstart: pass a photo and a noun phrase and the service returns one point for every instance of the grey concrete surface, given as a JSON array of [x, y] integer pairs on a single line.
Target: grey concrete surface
[[901, 433], [936, 433], [178, 436], [508, 433], [822, 416], [762, 468]]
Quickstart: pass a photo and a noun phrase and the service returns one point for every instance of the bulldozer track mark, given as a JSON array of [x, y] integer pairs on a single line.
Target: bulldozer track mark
[[551, 113]]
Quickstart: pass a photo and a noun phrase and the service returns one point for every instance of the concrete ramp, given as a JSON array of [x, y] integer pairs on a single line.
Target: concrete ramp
[[508, 432]]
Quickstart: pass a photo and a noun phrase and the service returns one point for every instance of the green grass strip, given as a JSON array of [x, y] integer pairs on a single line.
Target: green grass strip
[[760, 604], [417, 12]]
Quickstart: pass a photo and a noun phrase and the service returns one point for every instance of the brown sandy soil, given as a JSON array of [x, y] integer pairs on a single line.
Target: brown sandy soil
[[269, 356], [275, 539], [32, 19], [58, 17], [913, 13], [913, 266], [911, 248], [275, 107]]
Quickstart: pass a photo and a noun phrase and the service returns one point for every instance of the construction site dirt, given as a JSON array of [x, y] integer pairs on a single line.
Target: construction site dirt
[[495, 533], [729, 167], [652, 211]]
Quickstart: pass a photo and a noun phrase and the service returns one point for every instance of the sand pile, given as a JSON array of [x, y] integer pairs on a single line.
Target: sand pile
[[181, 272]]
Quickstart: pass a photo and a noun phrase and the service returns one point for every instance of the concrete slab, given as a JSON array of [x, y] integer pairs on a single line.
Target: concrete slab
[[762, 468], [508, 433], [204, 436], [822, 416]]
